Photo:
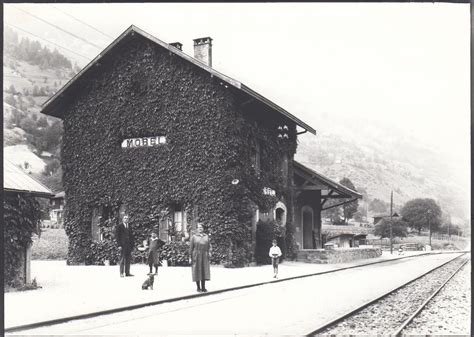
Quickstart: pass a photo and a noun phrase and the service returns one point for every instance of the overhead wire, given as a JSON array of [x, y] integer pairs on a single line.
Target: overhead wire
[[84, 23], [61, 29], [57, 45]]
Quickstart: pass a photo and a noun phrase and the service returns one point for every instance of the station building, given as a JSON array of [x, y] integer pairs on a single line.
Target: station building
[[160, 135]]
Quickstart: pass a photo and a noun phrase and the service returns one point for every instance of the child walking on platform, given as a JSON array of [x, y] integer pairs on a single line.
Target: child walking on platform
[[275, 254]]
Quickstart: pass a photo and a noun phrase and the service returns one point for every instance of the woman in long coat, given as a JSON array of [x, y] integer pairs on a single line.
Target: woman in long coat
[[199, 258]]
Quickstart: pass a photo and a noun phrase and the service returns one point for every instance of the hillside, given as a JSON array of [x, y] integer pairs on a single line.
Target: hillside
[[32, 73], [378, 160]]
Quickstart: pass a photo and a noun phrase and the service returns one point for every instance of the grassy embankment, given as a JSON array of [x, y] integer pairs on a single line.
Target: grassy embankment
[[52, 245]]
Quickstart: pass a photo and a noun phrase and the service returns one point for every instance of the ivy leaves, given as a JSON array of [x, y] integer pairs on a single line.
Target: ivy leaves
[[146, 92], [22, 216]]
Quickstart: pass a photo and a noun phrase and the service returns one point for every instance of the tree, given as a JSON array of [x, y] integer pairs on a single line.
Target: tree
[[11, 89], [421, 213], [42, 122], [399, 228], [35, 91], [358, 216], [28, 124], [51, 167], [333, 213], [53, 135], [10, 100], [363, 191], [350, 208], [378, 206]]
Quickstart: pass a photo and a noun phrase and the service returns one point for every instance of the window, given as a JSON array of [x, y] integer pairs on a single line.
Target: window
[[280, 213], [178, 219], [179, 226]]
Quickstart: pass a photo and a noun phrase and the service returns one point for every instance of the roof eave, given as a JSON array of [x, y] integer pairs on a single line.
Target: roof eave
[[276, 107], [32, 193], [338, 187]]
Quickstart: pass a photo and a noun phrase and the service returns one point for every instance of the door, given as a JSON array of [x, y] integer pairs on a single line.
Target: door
[[307, 227]]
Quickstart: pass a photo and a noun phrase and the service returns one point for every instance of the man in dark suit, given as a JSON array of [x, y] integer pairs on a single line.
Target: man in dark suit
[[125, 242]]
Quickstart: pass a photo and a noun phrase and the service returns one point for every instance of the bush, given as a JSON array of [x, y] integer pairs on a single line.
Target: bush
[[22, 218], [103, 250], [31, 286], [176, 253], [239, 255], [266, 232]]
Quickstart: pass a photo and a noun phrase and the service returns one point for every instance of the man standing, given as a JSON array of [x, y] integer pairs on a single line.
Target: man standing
[[124, 237]]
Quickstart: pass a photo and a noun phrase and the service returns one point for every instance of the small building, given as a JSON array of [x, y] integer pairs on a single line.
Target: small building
[[21, 219], [160, 135], [56, 212], [345, 236], [379, 217]]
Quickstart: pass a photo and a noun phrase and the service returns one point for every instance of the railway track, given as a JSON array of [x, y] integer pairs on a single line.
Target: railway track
[[93, 315], [392, 312]]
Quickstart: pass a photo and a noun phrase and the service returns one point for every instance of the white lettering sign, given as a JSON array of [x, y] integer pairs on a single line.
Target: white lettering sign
[[143, 142], [268, 191]]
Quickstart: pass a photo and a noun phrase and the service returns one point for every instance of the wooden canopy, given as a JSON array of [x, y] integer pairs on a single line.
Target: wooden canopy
[[307, 179]]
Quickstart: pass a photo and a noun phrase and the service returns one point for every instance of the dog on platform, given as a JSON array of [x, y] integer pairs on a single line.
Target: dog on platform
[[148, 284]]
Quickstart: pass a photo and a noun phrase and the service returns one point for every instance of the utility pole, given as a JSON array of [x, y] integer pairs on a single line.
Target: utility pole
[[391, 218], [429, 224], [449, 229]]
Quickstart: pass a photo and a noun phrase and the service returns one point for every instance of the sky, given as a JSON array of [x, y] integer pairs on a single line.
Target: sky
[[403, 64]]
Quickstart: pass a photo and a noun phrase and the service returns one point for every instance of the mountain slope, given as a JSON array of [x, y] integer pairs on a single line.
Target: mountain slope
[[379, 160]]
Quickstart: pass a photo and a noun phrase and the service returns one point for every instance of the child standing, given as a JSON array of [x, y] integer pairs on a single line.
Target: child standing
[[275, 254], [153, 255]]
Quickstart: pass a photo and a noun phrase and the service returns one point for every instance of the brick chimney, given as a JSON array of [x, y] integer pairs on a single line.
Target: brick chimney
[[203, 50], [177, 45]]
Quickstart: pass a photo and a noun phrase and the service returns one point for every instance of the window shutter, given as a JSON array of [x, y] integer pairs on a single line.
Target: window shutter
[[163, 231], [95, 224]]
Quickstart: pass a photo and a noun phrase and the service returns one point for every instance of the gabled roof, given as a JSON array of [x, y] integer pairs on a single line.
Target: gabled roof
[[15, 180], [338, 190], [52, 105]]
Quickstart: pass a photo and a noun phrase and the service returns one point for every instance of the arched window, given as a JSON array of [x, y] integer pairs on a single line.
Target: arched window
[[280, 213]]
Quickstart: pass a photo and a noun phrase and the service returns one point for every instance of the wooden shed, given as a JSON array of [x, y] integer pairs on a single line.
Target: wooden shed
[[18, 184]]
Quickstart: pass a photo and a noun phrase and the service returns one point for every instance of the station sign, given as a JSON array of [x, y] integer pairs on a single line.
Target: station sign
[[143, 142]]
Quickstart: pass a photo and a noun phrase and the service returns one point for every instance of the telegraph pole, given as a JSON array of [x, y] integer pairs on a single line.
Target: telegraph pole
[[391, 218], [429, 224]]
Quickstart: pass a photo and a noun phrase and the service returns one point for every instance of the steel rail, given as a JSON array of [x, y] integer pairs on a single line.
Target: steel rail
[[423, 305], [333, 322], [61, 320]]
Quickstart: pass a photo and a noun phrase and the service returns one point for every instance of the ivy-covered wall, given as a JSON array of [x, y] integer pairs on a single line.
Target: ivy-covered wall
[[21, 218], [140, 90]]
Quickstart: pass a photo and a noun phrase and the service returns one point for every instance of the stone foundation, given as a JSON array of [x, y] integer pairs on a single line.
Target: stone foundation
[[337, 255]]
